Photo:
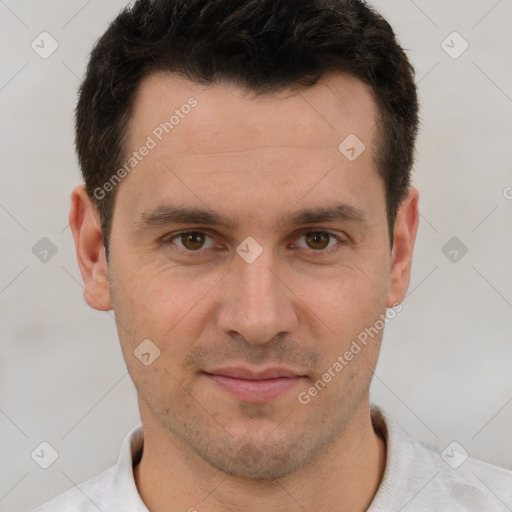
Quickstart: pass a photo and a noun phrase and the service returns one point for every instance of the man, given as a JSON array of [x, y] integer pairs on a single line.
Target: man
[[248, 215]]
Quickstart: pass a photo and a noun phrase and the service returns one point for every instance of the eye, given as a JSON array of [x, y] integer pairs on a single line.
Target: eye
[[319, 240], [195, 242], [192, 241]]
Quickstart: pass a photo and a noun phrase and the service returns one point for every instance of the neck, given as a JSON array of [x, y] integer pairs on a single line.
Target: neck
[[345, 476]]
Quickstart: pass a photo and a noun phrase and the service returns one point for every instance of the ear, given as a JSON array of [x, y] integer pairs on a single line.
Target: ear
[[404, 236], [90, 252]]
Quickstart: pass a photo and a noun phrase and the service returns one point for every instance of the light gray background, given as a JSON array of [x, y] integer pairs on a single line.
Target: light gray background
[[445, 367]]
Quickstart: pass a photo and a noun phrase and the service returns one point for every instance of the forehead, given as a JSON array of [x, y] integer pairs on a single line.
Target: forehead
[[219, 146], [321, 115]]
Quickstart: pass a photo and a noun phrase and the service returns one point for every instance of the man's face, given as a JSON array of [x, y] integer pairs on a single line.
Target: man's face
[[214, 305]]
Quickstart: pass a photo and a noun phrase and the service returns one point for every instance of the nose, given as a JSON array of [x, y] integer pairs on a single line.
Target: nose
[[257, 303]]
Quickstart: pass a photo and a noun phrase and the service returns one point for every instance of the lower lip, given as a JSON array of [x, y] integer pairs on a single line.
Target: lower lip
[[255, 390]]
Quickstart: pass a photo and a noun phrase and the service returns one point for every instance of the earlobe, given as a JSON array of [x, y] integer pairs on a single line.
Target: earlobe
[[404, 237], [90, 252]]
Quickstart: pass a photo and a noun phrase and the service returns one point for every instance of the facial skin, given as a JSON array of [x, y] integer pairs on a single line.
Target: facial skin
[[298, 305]]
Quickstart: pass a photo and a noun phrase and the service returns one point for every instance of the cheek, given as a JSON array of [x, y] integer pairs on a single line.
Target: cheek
[[147, 296], [350, 307], [352, 294], [166, 307], [174, 305]]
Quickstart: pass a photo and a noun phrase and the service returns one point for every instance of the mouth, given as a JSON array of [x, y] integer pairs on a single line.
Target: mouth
[[255, 386]]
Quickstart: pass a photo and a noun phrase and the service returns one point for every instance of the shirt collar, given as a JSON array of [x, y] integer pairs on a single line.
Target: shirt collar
[[123, 482], [399, 452]]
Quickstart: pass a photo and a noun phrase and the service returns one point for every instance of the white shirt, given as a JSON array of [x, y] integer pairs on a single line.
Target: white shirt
[[416, 478]]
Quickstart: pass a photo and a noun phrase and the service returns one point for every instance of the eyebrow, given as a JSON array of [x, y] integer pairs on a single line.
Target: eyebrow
[[167, 214]]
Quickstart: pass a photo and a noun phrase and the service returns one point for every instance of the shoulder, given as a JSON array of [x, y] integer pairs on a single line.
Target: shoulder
[[424, 477], [112, 490], [89, 496], [461, 482]]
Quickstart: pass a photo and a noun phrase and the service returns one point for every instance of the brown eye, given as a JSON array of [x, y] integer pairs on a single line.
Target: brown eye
[[192, 241], [318, 240]]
